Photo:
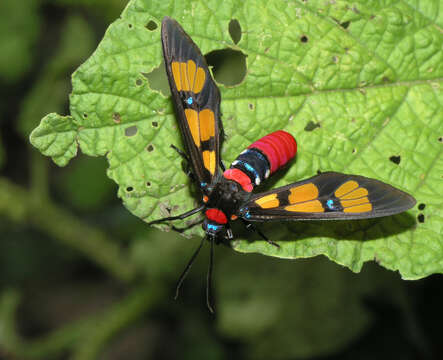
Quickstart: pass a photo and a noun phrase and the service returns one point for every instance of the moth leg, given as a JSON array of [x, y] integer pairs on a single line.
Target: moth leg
[[181, 153], [185, 157], [178, 217], [222, 165], [252, 227], [190, 226]]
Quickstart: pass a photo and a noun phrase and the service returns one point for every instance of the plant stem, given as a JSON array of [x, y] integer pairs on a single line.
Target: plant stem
[[19, 205]]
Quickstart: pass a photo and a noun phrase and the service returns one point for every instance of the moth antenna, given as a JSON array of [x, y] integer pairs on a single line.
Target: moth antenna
[[187, 268], [209, 277]]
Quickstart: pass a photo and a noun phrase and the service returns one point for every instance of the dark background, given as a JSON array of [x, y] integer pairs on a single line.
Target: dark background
[[82, 278]]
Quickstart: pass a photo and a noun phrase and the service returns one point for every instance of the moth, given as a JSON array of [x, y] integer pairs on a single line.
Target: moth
[[227, 194]]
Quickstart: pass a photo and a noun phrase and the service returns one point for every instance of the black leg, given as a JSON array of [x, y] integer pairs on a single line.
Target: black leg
[[187, 167], [178, 217], [209, 278], [181, 153], [187, 268], [183, 229], [222, 166], [250, 226]]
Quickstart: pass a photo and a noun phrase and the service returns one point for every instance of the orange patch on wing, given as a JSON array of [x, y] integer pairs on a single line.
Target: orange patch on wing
[[359, 208], [176, 74], [187, 76], [200, 77], [354, 198], [184, 76], [207, 124], [268, 202], [357, 193], [191, 73], [209, 161], [192, 119], [347, 187], [354, 202], [308, 206], [302, 193]]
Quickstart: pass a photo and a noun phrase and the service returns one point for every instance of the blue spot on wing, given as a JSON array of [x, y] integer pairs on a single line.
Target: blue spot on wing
[[331, 205]]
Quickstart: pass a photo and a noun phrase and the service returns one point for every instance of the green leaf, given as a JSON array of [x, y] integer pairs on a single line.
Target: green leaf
[[357, 83], [56, 137]]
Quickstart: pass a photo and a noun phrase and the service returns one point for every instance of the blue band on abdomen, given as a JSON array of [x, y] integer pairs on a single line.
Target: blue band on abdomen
[[252, 163]]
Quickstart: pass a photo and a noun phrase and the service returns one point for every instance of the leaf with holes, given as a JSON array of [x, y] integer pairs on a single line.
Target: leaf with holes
[[359, 86]]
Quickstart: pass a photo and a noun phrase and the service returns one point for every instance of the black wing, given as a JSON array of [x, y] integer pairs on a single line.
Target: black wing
[[329, 196], [196, 99]]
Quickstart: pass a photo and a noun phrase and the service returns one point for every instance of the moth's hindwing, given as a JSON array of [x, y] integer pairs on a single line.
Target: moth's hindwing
[[328, 196], [196, 100]]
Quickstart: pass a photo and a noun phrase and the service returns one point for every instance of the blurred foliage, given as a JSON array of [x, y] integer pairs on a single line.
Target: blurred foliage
[[108, 10], [51, 85], [82, 278], [19, 31], [69, 185]]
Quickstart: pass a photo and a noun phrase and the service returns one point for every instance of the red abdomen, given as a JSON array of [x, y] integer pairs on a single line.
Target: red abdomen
[[279, 147]]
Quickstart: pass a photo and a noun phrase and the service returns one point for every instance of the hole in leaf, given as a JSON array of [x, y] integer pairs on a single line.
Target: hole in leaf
[[154, 124], [129, 188], [228, 66], [354, 151], [151, 25], [117, 118], [335, 59], [304, 39], [395, 159], [158, 80], [150, 148], [421, 218], [235, 30], [251, 106], [440, 139], [131, 131], [130, 26], [85, 115], [311, 126], [148, 184], [138, 82], [345, 24], [421, 206]]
